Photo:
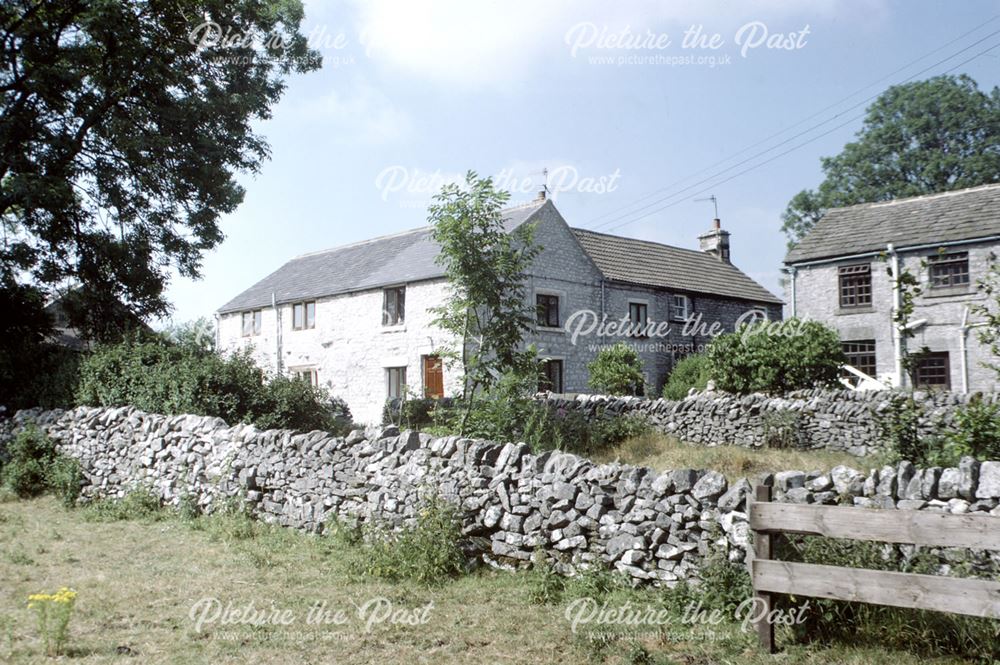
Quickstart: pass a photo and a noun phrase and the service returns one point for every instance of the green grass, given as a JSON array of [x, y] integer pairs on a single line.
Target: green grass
[[138, 579], [661, 452]]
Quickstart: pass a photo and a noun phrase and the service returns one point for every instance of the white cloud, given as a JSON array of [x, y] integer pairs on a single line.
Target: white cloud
[[357, 113], [488, 43]]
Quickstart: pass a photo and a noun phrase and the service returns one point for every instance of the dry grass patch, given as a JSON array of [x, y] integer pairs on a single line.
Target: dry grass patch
[[137, 581], [662, 452]]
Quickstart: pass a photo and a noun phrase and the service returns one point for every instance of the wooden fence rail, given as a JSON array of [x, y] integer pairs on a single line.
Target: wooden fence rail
[[930, 592]]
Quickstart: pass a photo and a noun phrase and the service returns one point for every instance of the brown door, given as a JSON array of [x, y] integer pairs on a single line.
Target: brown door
[[433, 377]]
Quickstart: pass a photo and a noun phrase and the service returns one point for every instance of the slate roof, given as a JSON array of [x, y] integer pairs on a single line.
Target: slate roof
[[963, 214], [410, 257], [403, 257], [653, 264]]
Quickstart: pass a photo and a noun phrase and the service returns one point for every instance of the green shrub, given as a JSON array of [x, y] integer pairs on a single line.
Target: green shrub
[[34, 467], [976, 432], [772, 359], [139, 504], [428, 552], [159, 376], [617, 370], [690, 372]]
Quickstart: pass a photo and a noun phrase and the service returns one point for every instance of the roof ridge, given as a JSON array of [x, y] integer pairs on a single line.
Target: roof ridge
[[358, 243], [648, 242], [919, 197]]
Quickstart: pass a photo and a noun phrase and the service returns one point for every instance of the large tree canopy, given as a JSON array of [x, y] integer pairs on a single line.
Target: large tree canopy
[[917, 138], [123, 126]]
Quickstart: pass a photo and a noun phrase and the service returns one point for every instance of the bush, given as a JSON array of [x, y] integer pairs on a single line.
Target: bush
[[976, 432], [428, 552], [617, 370], [139, 504], [414, 413], [34, 467], [159, 376], [690, 372], [776, 357]]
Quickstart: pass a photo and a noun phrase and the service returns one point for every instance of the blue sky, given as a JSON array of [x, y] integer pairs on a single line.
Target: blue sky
[[414, 93]]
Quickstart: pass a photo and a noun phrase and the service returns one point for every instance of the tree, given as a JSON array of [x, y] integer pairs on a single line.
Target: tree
[[487, 310], [774, 359], [917, 138], [617, 370], [123, 127]]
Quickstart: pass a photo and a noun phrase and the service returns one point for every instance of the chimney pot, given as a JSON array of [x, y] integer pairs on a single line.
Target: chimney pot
[[541, 195], [717, 223]]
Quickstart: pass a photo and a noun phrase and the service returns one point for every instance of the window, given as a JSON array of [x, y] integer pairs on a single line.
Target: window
[[932, 371], [861, 355], [252, 322], [304, 315], [393, 306], [552, 376], [548, 310], [307, 374], [680, 307], [855, 286], [949, 270], [638, 316], [395, 380]]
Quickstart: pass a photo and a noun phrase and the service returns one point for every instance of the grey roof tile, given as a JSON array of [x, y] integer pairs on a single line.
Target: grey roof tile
[[963, 214], [411, 256], [653, 264]]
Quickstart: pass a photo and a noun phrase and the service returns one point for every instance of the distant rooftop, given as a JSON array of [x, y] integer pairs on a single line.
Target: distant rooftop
[[411, 256], [962, 214]]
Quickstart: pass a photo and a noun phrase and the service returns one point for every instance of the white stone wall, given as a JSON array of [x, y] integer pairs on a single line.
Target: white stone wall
[[817, 297], [350, 348]]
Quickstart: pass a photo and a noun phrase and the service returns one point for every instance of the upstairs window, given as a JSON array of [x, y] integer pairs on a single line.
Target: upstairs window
[[252, 322], [855, 286], [394, 306], [638, 315], [680, 307], [552, 376], [861, 356], [304, 315], [947, 270], [547, 307]]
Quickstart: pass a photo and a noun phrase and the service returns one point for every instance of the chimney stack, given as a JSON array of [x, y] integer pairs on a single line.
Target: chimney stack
[[541, 195], [716, 241]]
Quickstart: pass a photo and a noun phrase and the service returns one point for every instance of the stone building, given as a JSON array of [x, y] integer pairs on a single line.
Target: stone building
[[356, 320], [841, 274]]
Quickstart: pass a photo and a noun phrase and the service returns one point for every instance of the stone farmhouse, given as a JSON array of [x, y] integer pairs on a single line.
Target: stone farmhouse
[[840, 274], [356, 319]]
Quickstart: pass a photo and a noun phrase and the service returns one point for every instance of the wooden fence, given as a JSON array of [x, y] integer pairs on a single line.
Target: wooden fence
[[930, 592]]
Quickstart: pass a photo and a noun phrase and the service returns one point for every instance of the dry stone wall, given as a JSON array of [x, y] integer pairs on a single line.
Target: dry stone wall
[[655, 527], [841, 420]]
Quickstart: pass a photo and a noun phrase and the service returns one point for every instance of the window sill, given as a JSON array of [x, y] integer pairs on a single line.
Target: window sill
[[303, 329], [391, 329], [945, 292], [847, 311], [549, 329]]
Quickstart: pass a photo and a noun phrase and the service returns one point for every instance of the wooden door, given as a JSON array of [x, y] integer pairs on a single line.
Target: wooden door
[[433, 377]]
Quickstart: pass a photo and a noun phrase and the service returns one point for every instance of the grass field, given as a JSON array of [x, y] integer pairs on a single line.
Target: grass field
[[663, 452], [137, 581]]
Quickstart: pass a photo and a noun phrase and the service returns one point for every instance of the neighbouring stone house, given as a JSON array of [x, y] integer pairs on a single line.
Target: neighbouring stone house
[[840, 274], [356, 320]]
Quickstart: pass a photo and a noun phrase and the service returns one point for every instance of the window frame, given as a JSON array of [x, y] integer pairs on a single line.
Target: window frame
[[308, 309], [638, 327], [550, 298], [945, 367], [856, 353], [308, 374], [687, 307], [545, 382], [396, 316], [854, 277], [945, 261], [256, 322], [395, 381]]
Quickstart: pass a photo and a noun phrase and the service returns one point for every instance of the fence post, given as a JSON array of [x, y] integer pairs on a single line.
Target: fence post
[[762, 601]]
